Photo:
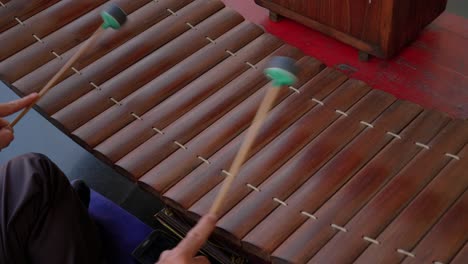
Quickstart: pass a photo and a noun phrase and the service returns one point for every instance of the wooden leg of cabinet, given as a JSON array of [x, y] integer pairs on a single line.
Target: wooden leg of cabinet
[[275, 17], [364, 56]]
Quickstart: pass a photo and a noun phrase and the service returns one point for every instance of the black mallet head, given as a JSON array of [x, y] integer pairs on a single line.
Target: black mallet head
[[113, 17], [282, 71]]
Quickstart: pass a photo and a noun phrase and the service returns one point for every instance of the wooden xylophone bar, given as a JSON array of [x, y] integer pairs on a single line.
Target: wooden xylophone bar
[[339, 173]]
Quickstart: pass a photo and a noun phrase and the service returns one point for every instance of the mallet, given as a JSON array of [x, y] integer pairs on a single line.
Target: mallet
[[113, 17], [282, 72]]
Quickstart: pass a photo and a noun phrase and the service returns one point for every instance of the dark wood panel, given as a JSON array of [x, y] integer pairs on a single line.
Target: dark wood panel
[[381, 28], [397, 194]]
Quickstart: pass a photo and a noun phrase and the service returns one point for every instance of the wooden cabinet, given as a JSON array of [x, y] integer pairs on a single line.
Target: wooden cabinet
[[377, 27]]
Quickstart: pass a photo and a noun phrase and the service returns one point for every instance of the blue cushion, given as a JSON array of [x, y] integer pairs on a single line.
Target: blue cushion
[[121, 232]]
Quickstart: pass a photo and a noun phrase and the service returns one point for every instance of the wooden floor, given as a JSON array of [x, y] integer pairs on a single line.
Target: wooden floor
[[433, 71]]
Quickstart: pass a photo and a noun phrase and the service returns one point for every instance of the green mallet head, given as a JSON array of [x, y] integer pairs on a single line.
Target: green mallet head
[[113, 17], [282, 71]]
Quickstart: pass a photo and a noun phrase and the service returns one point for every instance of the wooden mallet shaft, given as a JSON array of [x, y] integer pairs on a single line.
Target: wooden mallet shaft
[[282, 72], [59, 74], [113, 17]]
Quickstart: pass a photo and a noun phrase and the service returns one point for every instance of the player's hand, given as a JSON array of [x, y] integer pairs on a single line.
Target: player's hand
[[6, 109], [185, 252]]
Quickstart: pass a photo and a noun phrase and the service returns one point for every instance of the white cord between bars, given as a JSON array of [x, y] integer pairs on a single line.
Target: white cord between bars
[[204, 160], [180, 145], [318, 101], [230, 53], [57, 55], [190, 25], [367, 124], [137, 116], [253, 187], [76, 71], [341, 112], [452, 156], [419, 144], [373, 241], [210, 40], [251, 65], [294, 89], [280, 202], [95, 86], [438, 262], [404, 252], [309, 215], [340, 228], [37, 38], [115, 101], [226, 172], [19, 21], [172, 12], [2, 4], [158, 131], [393, 135]]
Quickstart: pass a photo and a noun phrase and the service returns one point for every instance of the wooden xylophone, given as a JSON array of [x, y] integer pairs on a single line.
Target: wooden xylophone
[[339, 173]]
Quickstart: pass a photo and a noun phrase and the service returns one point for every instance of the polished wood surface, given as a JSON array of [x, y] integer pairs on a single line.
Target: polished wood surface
[[380, 28], [167, 101]]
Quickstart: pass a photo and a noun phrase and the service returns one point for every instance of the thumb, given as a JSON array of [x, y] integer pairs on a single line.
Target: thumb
[[12, 107], [6, 137]]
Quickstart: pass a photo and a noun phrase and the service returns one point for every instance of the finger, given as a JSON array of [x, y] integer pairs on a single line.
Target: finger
[[4, 123], [198, 236], [200, 260], [12, 107], [6, 137]]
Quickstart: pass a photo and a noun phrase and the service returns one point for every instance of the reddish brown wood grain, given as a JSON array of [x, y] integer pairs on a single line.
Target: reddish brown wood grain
[[299, 247], [42, 24], [420, 215], [462, 255], [325, 182], [180, 103], [182, 162], [125, 55], [380, 211], [22, 9], [153, 66], [446, 238], [194, 122], [314, 155], [156, 91], [67, 37], [139, 21], [204, 178]]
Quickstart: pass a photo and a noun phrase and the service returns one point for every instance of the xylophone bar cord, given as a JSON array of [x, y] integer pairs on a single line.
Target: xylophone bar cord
[[59, 74], [243, 152]]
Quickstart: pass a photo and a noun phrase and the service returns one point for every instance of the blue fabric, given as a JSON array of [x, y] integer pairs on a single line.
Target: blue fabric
[[121, 232]]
